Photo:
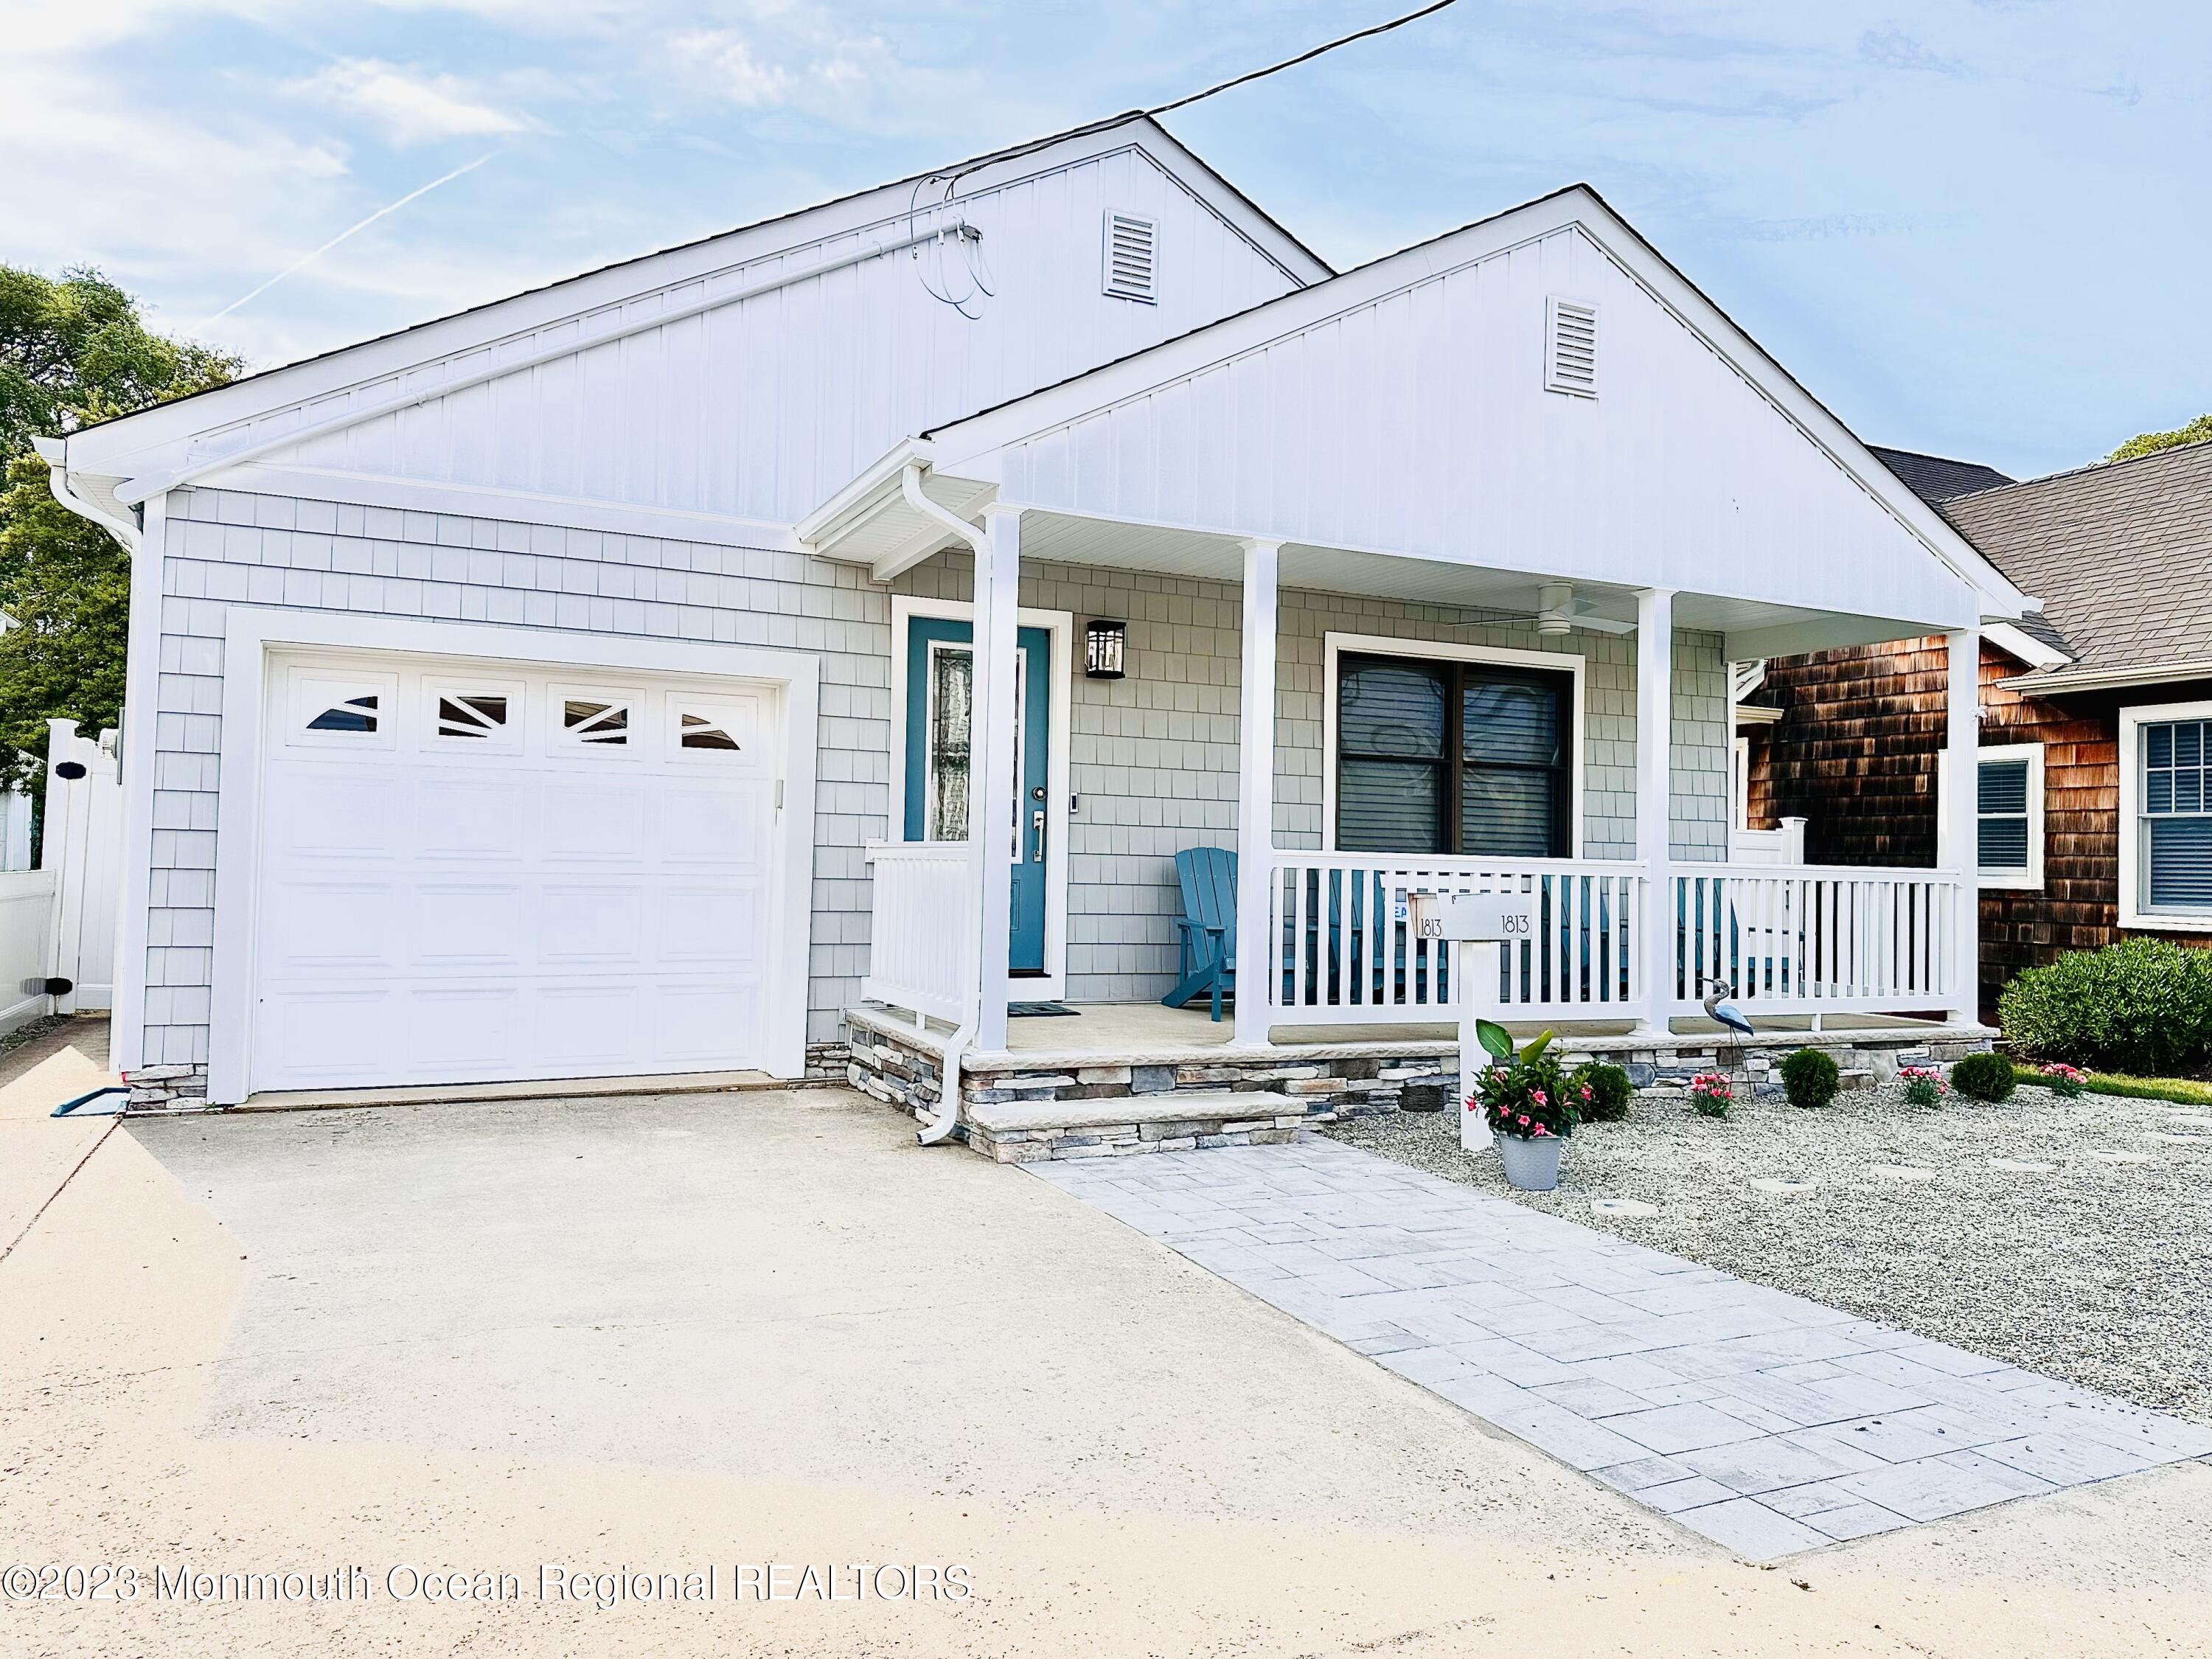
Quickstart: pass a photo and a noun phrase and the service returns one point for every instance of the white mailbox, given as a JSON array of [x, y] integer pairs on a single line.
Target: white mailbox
[[1474, 918], [1478, 927]]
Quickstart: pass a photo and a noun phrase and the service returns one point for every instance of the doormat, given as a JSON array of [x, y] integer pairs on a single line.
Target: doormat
[[1040, 1010]]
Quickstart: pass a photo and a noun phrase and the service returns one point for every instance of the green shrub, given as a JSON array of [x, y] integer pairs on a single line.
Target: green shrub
[[1986, 1077], [2142, 1006], [1609, 1092], [1809, 1077]]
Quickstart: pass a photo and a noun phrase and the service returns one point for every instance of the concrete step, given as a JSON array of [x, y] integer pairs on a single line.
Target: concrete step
[[1019, 1117]]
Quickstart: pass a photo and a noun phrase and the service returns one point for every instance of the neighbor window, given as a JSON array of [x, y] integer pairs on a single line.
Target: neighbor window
[[2008, 804], [1453, 757], [2174, 827]]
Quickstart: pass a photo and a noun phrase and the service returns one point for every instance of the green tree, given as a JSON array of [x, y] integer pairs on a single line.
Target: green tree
[[2150, 443], [73, 351]]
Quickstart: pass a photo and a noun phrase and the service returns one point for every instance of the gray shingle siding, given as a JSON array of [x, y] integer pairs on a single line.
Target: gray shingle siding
[[1153, 757]]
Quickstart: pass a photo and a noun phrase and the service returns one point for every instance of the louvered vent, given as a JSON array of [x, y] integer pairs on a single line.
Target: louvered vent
[[1570, 348], [1132, 257]]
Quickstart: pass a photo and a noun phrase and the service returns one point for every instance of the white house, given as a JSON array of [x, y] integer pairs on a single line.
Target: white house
[[577, 686]]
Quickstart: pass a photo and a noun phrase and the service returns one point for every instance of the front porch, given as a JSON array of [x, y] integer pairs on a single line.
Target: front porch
[[1333, 1003]]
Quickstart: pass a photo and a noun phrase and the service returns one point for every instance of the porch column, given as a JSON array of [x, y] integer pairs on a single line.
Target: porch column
[[1255, 798], [1957, 820], [992, 791], [1655, 745]]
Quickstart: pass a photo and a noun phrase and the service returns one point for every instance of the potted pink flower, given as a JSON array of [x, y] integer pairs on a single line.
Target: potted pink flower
[[1528, 1105]]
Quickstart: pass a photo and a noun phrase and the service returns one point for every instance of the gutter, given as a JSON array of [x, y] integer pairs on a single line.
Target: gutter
[[55, 453], [957, 1045], [2109, 679]]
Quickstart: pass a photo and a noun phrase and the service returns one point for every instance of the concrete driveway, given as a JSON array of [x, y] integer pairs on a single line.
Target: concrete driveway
[[767, 1327]]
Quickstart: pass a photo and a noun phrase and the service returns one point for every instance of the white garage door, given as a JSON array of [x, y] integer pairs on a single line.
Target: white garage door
[[478, 872]]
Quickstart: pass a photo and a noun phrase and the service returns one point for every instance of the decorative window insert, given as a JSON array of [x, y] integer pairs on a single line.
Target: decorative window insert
[[596, 720], [2009, 821], [2174, 819], [1132, 258], [948, 722], [342, 710], [699, 732], [1457, 758], [478, 716], [1571, 347], [359, 713]]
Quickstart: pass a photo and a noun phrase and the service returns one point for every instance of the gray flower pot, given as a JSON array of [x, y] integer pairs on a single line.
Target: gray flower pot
[[1532, 1166]]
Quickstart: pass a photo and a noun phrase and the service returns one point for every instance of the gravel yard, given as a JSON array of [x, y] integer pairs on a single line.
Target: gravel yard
[[2096, 1269]]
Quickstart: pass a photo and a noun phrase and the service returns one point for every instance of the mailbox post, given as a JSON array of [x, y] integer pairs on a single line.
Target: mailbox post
[[1478, 926]]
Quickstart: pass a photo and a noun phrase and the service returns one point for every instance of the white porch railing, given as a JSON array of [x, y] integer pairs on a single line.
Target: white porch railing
[[1345, 952], [921, 953], [1813, 940]]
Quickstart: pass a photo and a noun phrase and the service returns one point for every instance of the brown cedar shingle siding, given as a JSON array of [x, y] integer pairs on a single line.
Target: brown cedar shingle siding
[[1854, 751], [1856, 755]]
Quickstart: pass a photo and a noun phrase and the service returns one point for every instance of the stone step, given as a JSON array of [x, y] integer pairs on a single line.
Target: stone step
[[1031, 1116]]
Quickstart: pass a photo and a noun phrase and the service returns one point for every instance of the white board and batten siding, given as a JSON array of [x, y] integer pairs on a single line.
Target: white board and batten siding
[[1425, 420], [758, 410]]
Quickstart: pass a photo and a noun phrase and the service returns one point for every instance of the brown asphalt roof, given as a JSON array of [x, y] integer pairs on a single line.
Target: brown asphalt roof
[[2120, 554]]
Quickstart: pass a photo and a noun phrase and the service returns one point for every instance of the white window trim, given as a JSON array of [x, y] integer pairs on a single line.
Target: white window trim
[[1739, 784], [2132, 915], [252, 632], [1334, 645], [2031, 879], [1060, 628]]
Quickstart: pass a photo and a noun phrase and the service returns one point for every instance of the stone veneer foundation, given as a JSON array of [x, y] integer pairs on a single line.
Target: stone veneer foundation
[[1021, 1108]]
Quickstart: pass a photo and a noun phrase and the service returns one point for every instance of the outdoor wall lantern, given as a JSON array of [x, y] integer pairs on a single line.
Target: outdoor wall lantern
[[1102, 650]]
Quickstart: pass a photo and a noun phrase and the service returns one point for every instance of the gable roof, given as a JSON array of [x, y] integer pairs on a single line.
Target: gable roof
[[314, 384], [1937, 478], [1578, 206], [2121, 554]]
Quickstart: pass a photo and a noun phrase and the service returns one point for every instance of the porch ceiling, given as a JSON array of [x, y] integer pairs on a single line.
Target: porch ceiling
[[1755, 628], [870, 523]]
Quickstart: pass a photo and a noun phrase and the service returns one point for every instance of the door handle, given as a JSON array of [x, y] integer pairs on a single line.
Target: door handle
[[1036, 823]]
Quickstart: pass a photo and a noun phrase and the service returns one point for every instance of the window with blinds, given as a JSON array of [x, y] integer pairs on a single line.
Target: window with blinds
[[1453, 757], [2176, 827]]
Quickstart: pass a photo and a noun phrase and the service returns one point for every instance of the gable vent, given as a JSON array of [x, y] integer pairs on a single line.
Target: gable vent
[[1133, 257], [1570, 348]]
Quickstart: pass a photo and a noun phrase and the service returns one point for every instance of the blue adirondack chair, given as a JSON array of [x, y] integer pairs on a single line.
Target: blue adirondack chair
[[1208, 926]]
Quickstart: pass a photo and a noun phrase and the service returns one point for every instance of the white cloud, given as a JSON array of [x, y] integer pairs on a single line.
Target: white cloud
[[411, 108]]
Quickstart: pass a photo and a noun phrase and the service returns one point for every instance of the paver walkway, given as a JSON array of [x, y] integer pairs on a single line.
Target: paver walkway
[[1766, 1422]]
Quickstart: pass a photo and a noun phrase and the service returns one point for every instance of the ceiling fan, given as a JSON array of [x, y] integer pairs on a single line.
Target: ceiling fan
[[1560, 612]]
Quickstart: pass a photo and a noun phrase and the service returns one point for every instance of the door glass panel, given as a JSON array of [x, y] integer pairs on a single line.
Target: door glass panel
[[950, 681]]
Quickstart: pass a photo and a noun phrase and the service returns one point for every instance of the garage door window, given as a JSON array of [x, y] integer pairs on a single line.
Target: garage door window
[[595, 724], [698, 731], [342, 711], [354, 714], [469, 716]]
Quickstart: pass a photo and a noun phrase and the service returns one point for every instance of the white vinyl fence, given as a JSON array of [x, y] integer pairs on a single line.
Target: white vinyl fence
[[57, 922]]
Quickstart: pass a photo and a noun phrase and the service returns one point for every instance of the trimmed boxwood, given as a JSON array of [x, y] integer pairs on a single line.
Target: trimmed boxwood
[[1986, 1077], [2142, 1006], [1610, 1091], [1809, 1077]]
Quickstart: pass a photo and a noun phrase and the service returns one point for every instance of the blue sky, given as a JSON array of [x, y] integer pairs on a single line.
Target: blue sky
[[1975, 227]]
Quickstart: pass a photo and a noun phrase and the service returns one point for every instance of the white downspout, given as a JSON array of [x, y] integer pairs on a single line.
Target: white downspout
[[956, 1046], [55, 453]]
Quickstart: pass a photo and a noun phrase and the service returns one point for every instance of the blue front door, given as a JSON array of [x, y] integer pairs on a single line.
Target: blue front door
[[938, 682]]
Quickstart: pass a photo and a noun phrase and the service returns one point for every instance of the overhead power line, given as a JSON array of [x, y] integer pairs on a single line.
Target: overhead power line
[[1305, 56]]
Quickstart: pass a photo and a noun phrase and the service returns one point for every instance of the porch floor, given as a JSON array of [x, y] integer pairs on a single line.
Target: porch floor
[[1123, 1032]]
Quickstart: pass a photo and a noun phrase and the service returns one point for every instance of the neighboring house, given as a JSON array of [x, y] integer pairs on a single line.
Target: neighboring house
[[580, 685], [2092, 821]]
